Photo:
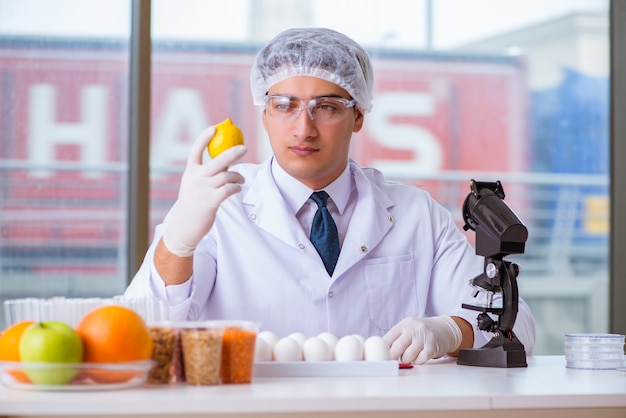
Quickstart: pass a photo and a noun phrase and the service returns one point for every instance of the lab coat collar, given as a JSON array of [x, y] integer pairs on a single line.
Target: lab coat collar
[[370, 222], [264, 203]]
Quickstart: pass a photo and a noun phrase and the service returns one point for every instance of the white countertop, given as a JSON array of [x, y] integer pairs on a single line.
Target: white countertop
[[437, 386]]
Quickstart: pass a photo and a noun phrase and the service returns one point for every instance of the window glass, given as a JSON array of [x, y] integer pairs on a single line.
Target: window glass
[[491, 90], [63, 148], [485, 89]]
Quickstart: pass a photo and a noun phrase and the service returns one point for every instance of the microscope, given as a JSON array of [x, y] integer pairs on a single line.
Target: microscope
[[499, 233]]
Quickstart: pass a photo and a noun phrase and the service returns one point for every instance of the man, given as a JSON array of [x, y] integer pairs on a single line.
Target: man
[[239, 242]]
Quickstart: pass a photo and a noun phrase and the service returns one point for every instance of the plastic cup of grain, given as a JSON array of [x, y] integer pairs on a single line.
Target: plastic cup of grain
[[239, 339], [201, 344]]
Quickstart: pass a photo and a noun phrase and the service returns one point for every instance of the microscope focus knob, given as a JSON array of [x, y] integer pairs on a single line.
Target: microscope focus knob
[[491, 270]]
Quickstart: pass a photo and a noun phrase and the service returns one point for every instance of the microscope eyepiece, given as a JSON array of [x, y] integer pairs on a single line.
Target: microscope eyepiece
[[498, 230]]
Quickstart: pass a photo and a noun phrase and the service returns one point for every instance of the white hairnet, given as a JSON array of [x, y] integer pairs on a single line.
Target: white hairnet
[[315, 52]]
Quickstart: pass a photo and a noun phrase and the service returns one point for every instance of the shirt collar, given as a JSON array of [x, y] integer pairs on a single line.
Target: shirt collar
[[296, 194]]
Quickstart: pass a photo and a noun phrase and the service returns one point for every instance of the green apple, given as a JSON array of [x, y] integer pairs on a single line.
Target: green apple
[[50, 342]]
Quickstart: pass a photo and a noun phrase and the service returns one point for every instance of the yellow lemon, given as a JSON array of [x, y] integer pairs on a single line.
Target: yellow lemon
[[227, 135]]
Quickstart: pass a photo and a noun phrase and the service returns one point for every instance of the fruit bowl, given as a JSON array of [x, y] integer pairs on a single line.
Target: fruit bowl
[[74, 376]]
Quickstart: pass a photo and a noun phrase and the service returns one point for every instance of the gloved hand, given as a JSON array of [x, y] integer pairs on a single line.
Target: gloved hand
[[417, 340], [203, 188]]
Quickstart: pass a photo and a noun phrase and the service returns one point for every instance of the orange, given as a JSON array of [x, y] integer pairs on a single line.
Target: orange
[[114, 334], [9, 347], [227, 135]]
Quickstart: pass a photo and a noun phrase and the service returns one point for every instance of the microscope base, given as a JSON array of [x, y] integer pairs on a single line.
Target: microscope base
[[496, 353]]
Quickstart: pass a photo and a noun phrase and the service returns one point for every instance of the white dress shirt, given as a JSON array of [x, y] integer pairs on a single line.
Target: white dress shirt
[[297, 196]]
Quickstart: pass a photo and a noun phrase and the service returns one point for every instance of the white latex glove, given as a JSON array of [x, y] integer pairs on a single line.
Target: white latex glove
[[203, 188], [417, 340]]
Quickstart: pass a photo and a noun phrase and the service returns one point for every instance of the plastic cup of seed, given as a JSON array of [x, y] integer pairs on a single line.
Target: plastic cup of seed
[[201, 344], [238, 346], [164, 338]]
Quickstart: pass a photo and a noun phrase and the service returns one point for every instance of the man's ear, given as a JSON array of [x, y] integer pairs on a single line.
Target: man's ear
[[359, 118]]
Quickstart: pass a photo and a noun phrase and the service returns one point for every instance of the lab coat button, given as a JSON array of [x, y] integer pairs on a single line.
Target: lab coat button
[[390, 219], [252, 216], [330, 295], [363, 249], [301, 246]]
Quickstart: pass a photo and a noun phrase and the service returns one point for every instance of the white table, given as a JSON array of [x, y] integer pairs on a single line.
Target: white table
[[437, 389]]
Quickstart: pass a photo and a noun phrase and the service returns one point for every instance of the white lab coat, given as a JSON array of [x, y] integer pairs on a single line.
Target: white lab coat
[[402, 256]]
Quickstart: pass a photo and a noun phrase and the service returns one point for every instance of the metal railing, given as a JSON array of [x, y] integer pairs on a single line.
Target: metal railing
[[565, 263]]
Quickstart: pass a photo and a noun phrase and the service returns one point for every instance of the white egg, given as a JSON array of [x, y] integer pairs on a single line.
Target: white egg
[[376, 349], [299, 337], [331, 340], [361, 339], [316, 349], [348, 348], [287, 349], [269, 337], [262, 350]]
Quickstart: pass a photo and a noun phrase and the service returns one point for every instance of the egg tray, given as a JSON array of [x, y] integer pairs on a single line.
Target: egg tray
[[325, 368]]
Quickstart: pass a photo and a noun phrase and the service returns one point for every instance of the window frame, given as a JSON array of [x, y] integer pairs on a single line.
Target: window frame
[[617, 139], [139, 146], [138, 209]]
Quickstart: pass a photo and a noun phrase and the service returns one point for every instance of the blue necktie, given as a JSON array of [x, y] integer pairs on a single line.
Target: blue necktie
[[324, 234]]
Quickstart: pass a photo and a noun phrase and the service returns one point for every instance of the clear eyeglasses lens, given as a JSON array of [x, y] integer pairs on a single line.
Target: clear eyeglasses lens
[[320, 109]]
